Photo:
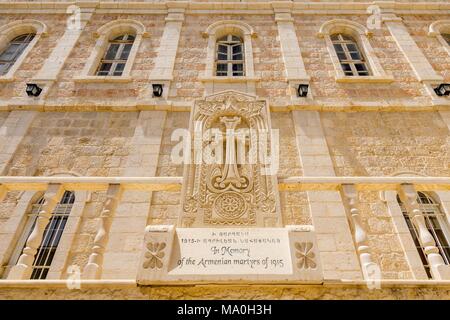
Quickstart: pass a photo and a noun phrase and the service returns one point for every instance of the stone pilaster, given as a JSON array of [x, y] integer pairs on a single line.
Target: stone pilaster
[[164, 63], [290, 50], [12, 133], [76, 21], [337, 251], [123, 249]]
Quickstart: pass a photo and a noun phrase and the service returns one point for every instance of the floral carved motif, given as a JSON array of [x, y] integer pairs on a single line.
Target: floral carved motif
[[305, 255], [154, 255], [229, 191]]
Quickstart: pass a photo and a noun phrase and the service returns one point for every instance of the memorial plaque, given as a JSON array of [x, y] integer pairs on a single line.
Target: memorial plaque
[[231, 251], [185, 255]]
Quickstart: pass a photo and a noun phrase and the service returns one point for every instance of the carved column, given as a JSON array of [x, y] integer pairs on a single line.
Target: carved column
[[408, 195], [3, 192], [93, 269], [23, 268], [350, 195]]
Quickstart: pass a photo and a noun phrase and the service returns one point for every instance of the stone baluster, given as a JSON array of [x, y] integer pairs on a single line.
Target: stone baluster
[[408, 195], [24, 266], [3, 192], [350, 195], [93, 268]]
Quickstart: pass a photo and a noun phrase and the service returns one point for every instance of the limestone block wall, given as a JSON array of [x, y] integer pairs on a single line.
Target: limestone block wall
[[35, 59], [70, 91], [138, 143], [85, 143], [192, 49], [320, 67], [386, 144], [418, 27]]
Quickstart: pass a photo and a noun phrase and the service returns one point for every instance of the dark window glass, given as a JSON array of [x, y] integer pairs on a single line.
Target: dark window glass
[[351, 59], [13, 51], [116, 56], [436, 224], [230, 56]]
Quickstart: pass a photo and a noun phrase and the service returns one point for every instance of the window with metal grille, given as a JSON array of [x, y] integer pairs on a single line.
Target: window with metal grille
[[446, 37], [436, 225], [52, 234], [116, 56], [230, 56], [13, 51], [350, 56]]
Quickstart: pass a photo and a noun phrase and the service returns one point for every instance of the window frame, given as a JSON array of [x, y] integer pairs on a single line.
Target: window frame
[[230, 43], [14, 29], [349, 60], [62, 210], [437, 29], [361, 35], [430, 208], [21, 46], [104, 35], [117, 60]]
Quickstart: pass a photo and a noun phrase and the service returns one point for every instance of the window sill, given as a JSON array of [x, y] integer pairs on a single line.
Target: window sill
[[106, 79], [229, 79], [364, 79]]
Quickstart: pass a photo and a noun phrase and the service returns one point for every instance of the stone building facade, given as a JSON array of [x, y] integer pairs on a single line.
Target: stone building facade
[[371, 127]]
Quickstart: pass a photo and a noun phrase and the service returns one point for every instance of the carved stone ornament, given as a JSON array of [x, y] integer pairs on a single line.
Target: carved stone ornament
[[305, 255], [229, 181], [154, 255]]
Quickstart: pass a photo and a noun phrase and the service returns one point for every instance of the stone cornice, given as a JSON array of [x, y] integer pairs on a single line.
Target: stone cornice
[[263, 7]]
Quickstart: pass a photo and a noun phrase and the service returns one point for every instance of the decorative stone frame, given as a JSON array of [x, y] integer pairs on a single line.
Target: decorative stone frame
[[361, 35], [17, 223], [406, 240], [105, 33], [17, 28], [436, 29], [244, 83]]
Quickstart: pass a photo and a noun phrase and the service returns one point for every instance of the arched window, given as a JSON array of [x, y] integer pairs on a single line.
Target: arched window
[[13, 51], [52, 234], [116, 56], [436, 225], [351, 53], [350, 56], [230, 56]]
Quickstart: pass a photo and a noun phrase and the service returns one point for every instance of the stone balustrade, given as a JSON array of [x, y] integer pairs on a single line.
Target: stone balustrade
[[53, 187]]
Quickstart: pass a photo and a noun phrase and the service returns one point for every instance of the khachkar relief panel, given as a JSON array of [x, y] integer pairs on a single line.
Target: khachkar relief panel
[[230, 226], [230, 173]]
